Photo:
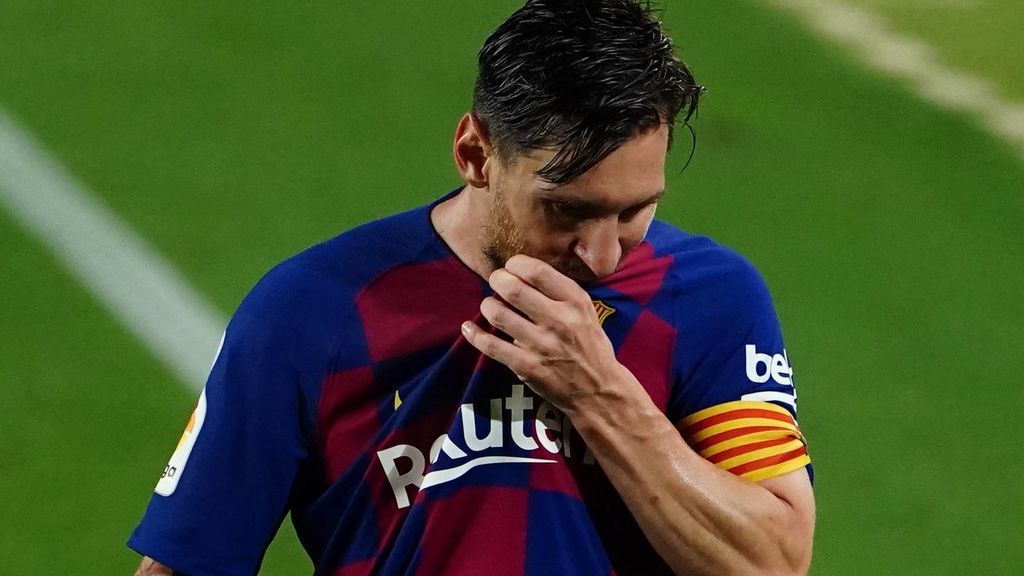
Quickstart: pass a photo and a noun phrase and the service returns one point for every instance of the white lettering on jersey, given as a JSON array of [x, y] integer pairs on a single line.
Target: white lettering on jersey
[[551, 434], [168, 482], [776, 367]]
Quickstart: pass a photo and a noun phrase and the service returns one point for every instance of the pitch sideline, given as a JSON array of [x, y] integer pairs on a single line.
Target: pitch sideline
[[141, 289], [914, 62]]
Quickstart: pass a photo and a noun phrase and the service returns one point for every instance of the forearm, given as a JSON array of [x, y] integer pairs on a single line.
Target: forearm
[[700, 519]]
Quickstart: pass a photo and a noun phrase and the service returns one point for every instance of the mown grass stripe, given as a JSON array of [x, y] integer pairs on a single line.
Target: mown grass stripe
[[914, 62], [140, 288]]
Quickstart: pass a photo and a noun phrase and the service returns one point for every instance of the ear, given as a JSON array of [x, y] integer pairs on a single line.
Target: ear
[[473, 151]]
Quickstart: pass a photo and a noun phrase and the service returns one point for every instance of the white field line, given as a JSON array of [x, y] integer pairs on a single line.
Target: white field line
[[914, 62], [141, 289]]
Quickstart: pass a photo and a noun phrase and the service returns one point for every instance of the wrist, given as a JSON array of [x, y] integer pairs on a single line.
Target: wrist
[[619, 403]]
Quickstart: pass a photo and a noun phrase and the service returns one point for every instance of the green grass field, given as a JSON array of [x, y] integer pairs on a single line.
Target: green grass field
[[232, 135]]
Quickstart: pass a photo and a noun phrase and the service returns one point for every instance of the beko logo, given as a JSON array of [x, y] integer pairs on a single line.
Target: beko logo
[[761, 367]]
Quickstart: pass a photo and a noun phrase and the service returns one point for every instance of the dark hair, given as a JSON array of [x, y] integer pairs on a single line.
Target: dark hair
[[579, 77]]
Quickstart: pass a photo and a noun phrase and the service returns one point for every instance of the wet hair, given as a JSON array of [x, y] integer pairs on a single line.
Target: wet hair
[[579, 77]]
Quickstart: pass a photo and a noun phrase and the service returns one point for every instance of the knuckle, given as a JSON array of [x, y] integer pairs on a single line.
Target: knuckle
[[531, 369], [583, 318], [495, 276], [526, 262], [488, 347], [529, 269], [499, 317], [560, 326], [515, 291], [583, 304], [548, 336], [533, 271]]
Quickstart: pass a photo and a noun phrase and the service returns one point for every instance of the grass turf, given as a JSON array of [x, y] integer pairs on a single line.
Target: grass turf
[[232, 136], [980, 36]]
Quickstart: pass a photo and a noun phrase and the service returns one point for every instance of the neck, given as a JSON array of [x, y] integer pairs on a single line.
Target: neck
[[459, 221]]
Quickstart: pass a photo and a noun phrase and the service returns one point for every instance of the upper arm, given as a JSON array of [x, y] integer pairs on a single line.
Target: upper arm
[[731, 345], [734, 398], [229, 483]]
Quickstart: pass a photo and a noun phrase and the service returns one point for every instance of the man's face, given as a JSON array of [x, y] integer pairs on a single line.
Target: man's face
[[583, 228]]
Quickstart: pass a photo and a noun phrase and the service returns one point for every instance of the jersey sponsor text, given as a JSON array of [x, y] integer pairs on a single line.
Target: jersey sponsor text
[[551, 435], [775, 367]]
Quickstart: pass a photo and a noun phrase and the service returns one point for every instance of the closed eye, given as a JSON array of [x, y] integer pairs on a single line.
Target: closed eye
[[631, 213], [571, 210]]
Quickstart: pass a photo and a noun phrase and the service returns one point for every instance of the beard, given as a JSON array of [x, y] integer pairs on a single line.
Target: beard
[[503, 239]]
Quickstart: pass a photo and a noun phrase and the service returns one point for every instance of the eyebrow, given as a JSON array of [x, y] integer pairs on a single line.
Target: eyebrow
[[578, 203], [657, 196]]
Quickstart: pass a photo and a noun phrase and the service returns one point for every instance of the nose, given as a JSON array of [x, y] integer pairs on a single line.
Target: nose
[[598, 246]]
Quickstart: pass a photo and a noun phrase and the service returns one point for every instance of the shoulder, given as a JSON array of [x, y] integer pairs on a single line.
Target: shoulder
[[705, 274], [347, 260], [721, 307], [363, 252], [312, 292]]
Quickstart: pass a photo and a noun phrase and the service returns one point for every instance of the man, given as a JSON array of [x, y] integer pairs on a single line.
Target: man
[[528, 376]]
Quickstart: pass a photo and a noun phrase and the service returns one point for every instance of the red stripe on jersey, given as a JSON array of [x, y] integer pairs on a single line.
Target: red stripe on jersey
[[347, 419], [364, 568], [476, 531], [640, 276], [647, 353], [416, 306]]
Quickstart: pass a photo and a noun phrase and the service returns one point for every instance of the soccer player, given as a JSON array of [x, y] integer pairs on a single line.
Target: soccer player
[[528, 376]]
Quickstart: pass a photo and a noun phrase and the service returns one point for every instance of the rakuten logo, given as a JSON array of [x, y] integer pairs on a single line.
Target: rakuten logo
[[761, 367], [551, 432]]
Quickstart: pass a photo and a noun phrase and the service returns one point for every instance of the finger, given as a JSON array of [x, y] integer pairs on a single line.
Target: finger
[[504, 318], [543, 277], [516, 358], [521, 295]]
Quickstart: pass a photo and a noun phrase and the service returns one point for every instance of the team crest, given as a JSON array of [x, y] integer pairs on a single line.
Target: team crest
[[603, 311]]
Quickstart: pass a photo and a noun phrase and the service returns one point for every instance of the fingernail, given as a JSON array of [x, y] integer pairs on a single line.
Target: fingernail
[[465, 329]]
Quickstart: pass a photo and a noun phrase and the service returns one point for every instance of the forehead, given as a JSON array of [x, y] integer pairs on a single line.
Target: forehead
[[632, 173]]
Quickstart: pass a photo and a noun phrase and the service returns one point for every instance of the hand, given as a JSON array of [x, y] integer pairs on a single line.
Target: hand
[[150, 567], [560, 349]]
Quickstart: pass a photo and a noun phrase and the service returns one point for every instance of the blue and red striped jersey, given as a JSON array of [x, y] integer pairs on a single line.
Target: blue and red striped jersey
[[345, 393]]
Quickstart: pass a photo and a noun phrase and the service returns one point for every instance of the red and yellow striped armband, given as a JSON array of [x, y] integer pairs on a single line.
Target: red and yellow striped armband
[[755, 440]]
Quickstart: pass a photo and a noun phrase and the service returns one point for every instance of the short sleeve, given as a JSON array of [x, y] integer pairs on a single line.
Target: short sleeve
[[734, 400], [226, 488]]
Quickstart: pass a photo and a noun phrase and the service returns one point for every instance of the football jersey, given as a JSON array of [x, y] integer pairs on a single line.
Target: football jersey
[[345, 393]]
